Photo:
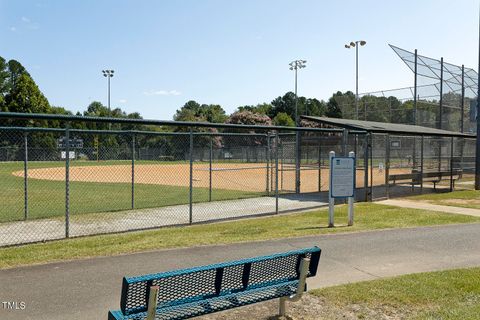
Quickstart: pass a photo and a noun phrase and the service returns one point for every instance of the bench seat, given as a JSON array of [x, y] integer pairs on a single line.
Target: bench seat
[[202, 307], [416, 178]]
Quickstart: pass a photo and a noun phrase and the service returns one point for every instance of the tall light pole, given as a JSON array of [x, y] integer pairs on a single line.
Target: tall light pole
[[355, 45], [108, 74], [295, 65]]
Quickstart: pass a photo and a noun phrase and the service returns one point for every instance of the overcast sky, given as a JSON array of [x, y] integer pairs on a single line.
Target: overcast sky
[[228, 52]]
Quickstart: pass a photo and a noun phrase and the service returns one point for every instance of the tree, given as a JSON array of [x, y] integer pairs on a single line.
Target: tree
[[286, 104], [333, 108], [283, 119], [193, 111], [314, 107], [15, 70], [262, 108], [96, 109], [3, 82], [189, 112], [249, 118], [305, 106], [26, 97]]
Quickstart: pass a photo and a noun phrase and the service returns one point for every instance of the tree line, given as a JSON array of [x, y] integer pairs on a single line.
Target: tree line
[[20, 93]]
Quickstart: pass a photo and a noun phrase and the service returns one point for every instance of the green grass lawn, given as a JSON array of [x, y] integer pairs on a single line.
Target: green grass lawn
[[368, 216], [464, 198], [453, 294], [47, 198]]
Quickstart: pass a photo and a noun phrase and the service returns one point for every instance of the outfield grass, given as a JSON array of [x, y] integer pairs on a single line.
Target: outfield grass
[[453, 294], [368, 216], [464, 198], [47, 198]]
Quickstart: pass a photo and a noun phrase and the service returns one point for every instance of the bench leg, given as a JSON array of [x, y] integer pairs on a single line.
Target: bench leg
[[282, 308], [304, 265], [152, 303]]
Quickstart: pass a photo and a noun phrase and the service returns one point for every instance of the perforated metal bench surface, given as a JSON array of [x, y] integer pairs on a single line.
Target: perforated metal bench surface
[[202, 290]]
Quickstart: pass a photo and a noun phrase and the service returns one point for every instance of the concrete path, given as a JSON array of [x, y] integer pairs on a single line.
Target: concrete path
[[430, 206], [87, 289], [21, 232]]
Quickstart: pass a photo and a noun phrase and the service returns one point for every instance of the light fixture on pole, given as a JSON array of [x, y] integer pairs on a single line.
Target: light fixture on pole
[[295, 65], [356, 45], [108, 74]]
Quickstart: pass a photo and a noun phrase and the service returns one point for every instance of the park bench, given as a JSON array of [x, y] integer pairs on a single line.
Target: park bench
[[415, 178], [182, 294]]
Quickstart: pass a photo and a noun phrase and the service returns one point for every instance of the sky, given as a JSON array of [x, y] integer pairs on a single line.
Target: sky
[[231, 52]]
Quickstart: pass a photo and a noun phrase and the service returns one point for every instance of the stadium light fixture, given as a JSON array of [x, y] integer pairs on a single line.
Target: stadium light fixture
[[295, 65], [108, 74], [354, 44]]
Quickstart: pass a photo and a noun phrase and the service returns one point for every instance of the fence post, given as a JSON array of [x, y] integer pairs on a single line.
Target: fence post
[[67, 180], [268, 164], [210, 170], [190, 202], [344, 142], [331, 200], [351, 200], [440, 121], [451, 164], [387, 165], [421, 164], [415, 90], [276, 172], [319, 166], [462, 105], [133, 171], [25, 174], [281, 172], [370, 135], [365, 165], [298, 159]]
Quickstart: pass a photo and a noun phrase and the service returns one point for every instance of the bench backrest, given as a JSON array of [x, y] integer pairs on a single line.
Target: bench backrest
[[417, 176], [200, 283]]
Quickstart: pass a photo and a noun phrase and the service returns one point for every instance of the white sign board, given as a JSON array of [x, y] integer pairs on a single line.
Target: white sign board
[[70, 153], [342, 177]]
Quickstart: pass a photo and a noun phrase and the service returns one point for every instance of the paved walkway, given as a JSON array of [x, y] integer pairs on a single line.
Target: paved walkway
[[430, 206], [87, 289], [107, 222]]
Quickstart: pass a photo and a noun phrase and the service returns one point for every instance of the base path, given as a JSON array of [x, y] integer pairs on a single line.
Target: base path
[[430, 206], [87, 289]]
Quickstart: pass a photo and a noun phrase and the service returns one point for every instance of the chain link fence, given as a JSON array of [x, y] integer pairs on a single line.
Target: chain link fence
[[443, 96], [68, 182]]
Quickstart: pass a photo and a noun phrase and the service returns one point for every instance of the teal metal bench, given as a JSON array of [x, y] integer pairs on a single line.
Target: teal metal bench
[[182, 294]]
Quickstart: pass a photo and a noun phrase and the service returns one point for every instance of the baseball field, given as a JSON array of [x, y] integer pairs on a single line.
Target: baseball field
[[107, 185]]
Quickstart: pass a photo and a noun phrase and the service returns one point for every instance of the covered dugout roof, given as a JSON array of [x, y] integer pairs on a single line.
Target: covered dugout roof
[[383, 127]]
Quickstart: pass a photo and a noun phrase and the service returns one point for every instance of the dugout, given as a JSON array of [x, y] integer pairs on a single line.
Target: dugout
[[401, 159]]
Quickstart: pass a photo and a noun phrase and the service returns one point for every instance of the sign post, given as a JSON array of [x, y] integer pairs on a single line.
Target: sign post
[[342, 184], [95, 145], [331, 199]]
